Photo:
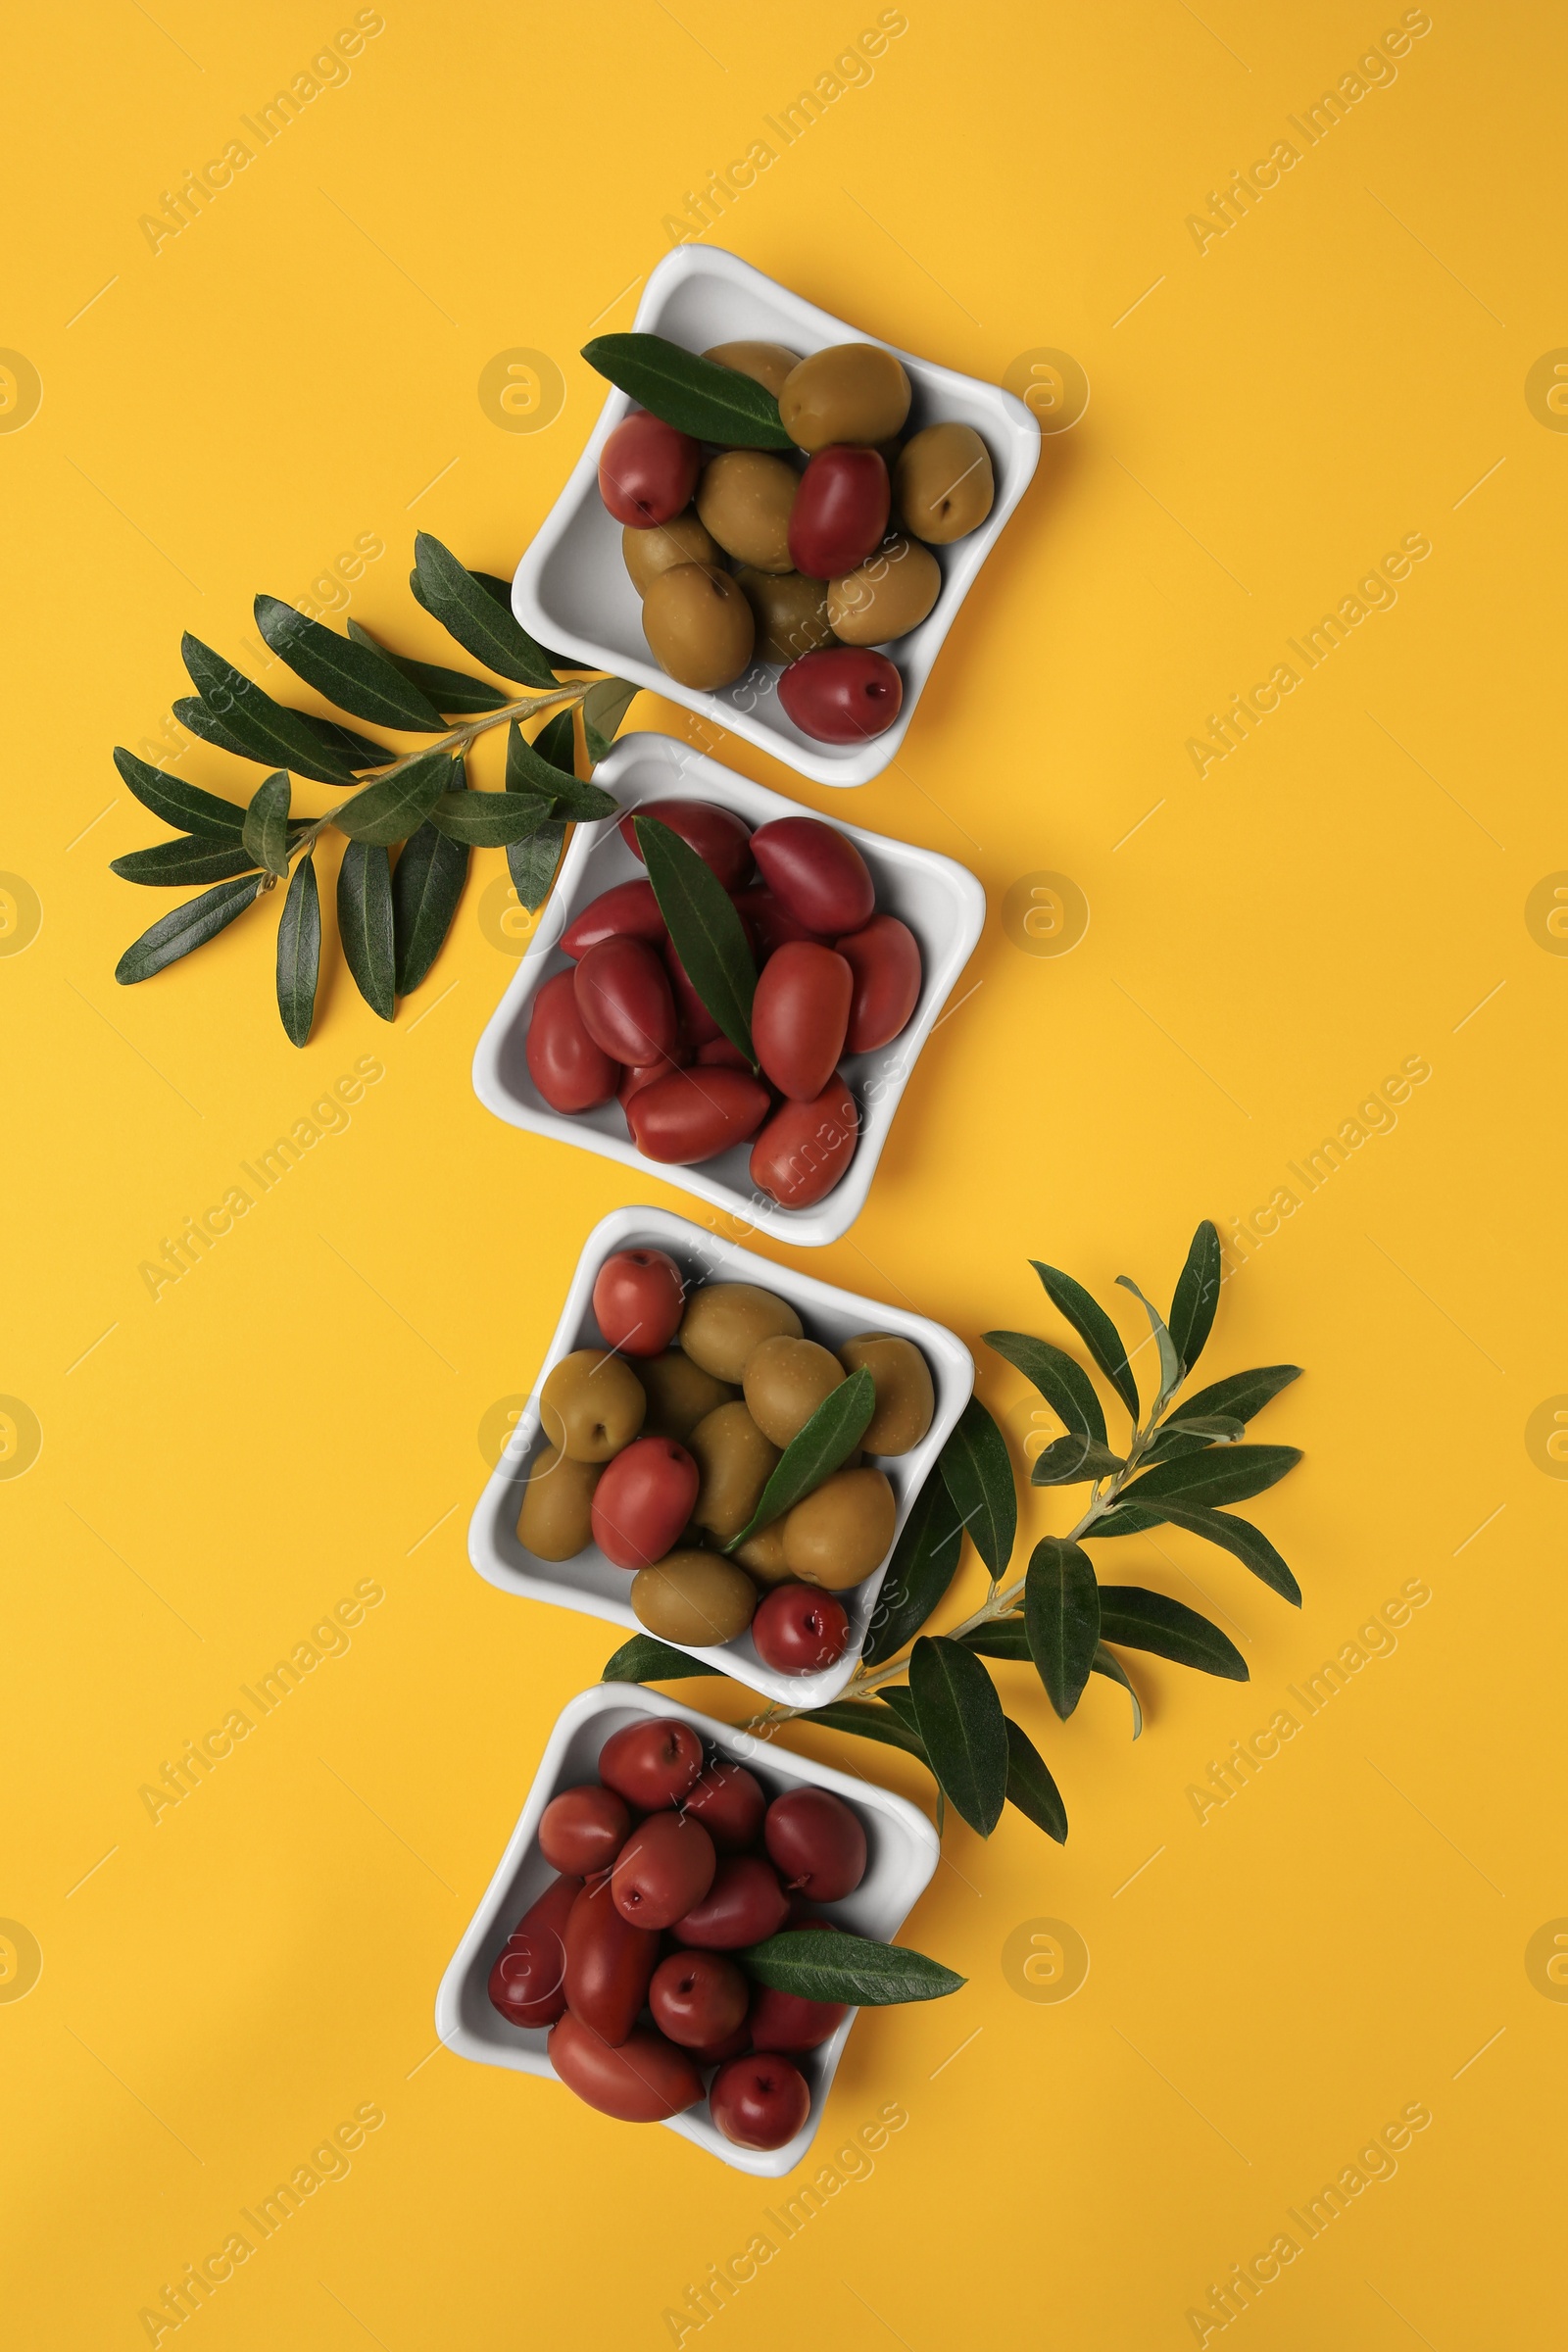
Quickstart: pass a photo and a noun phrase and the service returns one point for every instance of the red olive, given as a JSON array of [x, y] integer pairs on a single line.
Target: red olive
[[769, 921], [840, 512], [652, 1762], [816, 1842], [720, 1053], [759, 2102], [885, 959], [608, 1962], [842, 693], [729, 1802], [644, 1498], [527, 1982], [698, 1998], [806, 1147], [634, 1079], [630, 908], [570, 1071], [583, 1828], [744, 1903], [715, 2053], [622, 994], [816, 874], [639, 1295], [694, 1114], [788, 2021], [665, 1866], [648, 471], [800, 1630], [696, 1020], [717, 835], [800, 1015], [645, 2081]]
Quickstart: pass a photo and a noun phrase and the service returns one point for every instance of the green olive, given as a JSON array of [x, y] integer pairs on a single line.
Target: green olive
[[697, 625], [786, 1379], [842, 1531], [679, 1393], [651, 552], [854, 392], [944, 486], [695, 1597], [592, 1404], [766, 364], [555, 1521], [763, 1555], [725, 1320], [790, 611], [905, 1401], [744, 498], [735, 1461], [887, 596]]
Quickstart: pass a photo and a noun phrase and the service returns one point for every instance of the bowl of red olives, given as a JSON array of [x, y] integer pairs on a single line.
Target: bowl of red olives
[[635, 1484], [857, 941], [796, 595], [656, 1849]]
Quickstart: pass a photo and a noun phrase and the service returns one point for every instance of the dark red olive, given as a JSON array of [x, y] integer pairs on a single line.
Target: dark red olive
[[630, 908], [645, 2081], [648, 471], [694, 1114], [715, 2053], [816, 1842], [885, 959], [634, 1079], [570, 1071], [759, 2102], [800, 1017], [769, 921], [697, 1022], [644, 1498], [816, 873], [698, 1998], [639, 1295], [608, 1962], [583, 1828], [666, 1867], [729, 1802], [842, 693], [744, 1903], [840, 512], [622, 993], [800, 1630], [652, 1762], [720, 1054], [529, 1982], [717, 835], [788, 2021], [806, 1147]]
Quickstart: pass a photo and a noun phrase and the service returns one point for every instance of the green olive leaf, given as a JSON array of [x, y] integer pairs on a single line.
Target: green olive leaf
[[1062, 1382], [866, 1722], [344, 671], [1094, 1327], [188, 927], [299, 953], [1067, 1460], [489, 820], [704, 930], [962, 1728], [1240, 1394], [828, 1439], [1030, 1785], [642, 1659], [483, 627], [395, 806], [1219, 1474], [426, 885], [1171, 1368], [234, 712], [978, 1473], [1238, 1536], [365, 923], [452, 691], [1167, 1629], [828, 1964], [696, 396], [1192, 1310], [1061, 1618], [183, 806], [1106, 1663], [925, 1559], [1000, 1638], [603, 707], [266, 824], [176, 864]]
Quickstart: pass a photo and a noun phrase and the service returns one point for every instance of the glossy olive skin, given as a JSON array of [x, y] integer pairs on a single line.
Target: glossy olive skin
[[583, 1828], [760, 2101], [630, 910], [840, 512], [887, 596], [884, 956], [766, 364], [784, 1383], [679, 1394], [839, 1534], [717, 835], [570, 1071], [634, 1077], [698, 1025], [698, 1998], [768, 921], [648, 553], [555, 1521], [745, 499], [946, 488], [905, 1401], [643, 1500], [816, 1843], [790, 611], [744, 1903], [816, 873], [762, 1556], [529, 1982], [695, 1599], [665, 1866], [639, 1298], [623, 996], [695, 1115], [736, 1463], [720, 1054], [849, 392], [608, 1962], [652, 1762], [725, 1320], [591, 1405], [846, 694], [733, 2045], [800, 1630], [647, 470], [788, 2021], [801, 1016], [806, 1147], [645, 2081], [729, 1801], [697, 625]]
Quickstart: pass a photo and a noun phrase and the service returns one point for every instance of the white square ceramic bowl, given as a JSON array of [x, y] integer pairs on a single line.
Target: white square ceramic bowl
[[941, 900], [572, 588], [593, 1584], [901, 1857]]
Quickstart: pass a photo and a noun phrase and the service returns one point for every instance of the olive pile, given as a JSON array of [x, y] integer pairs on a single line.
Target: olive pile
[[659, 1443], [669, 1866], [835, 978], [832, 559]]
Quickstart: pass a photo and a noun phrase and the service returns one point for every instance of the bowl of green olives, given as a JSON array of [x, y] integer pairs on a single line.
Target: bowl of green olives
[[632, 1474], [503, 1997], [796, 599]]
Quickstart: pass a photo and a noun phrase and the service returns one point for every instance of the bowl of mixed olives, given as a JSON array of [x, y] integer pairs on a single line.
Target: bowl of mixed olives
[[654, 1478], [798, 594], [609, 1953]]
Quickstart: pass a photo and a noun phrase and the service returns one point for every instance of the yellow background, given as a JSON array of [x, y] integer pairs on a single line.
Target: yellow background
[[302, 1412]]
